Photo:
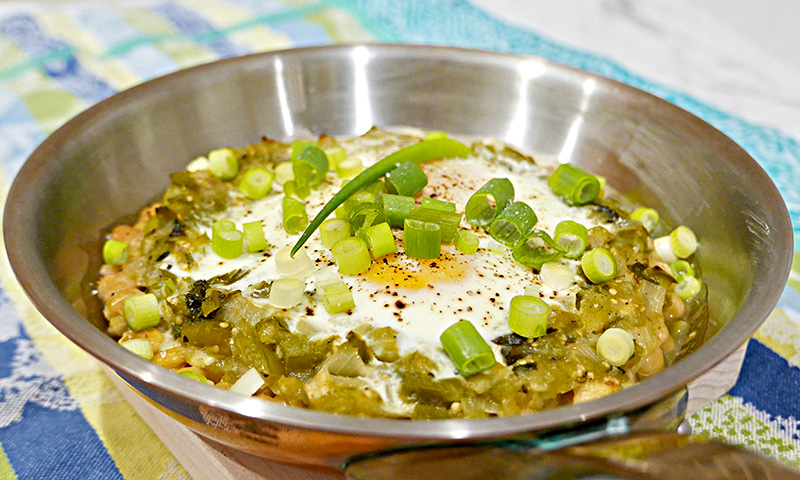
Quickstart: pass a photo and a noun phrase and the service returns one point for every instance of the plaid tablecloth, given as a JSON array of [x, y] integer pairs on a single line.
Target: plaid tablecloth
[[59, 415]]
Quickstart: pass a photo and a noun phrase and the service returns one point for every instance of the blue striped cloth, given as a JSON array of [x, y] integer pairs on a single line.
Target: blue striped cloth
[[59, 416]]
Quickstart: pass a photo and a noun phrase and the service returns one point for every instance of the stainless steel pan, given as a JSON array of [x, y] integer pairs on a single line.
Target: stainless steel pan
[[112, 159]]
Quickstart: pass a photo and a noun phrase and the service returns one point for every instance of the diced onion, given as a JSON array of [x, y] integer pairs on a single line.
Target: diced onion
[[249, 383], [286, 292], [194, 376]]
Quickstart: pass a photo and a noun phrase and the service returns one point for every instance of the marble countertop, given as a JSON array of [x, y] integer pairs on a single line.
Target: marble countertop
[[743, 57]]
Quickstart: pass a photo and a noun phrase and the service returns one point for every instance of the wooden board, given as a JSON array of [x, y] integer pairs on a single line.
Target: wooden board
[[206, 460]]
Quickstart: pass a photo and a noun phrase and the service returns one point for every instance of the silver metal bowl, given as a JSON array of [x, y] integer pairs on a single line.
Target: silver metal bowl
[[113, 159]]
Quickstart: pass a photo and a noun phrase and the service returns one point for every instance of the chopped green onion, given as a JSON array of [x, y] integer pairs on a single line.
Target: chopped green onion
[[533, 290], [664, 250], [365, 215], [198, 164], [226, 241], [375, 188], [286, 292], [599, 265], [437, 204], [397, 208], [299, 145], [139, 346], [335, 295], [435, 135], [295, 217], [407, 179], [422, 239], [512, 224], [349, 167], [466, 242], [421, 152], [310, 165], [352, 255], [572, 237], [449, 221], [223, 163], [537, 249], [467, 348], [576, 186], [647, 216], [332, 230], [284, 172], [496, 247], [681, 269], [194, 376], [256, 183], [141, 311], [336, 155], [292, 188], [615, 346], [254, 234], [557, 275], [115, 252], [688, 288], [359, 198], [485, 204], [298, 266], [380, 240], [528, 315], [248, 384], [683, 241]]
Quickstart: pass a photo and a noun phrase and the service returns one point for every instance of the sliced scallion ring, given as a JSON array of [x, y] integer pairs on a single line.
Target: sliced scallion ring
[[615, 346], [438, 204], [254, 235], [332, 230], [647, 216], [683, 241], [256, 183], [557, 275], [572, 237], [448, 220], [380, 240], [349, 167], [422, 239], [512, 224], [528, 315], [485, 204], [681, 269], [295, 217], [336, 155], [295, 188], [115, 252], [310, 165], [286, 292], [599, 265], [335, 295], [468, 350], [466, 242], [574, 185], [408, 179], [284, 172], [397, 208], [688, 288], [536, 249], [226, 241], [141, 311], [139, 346], [194, 376], [352, 255], [224, 163], [365, 215]]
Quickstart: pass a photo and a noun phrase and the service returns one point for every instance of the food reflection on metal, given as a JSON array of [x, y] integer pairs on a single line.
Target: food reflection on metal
[[645, 456]]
